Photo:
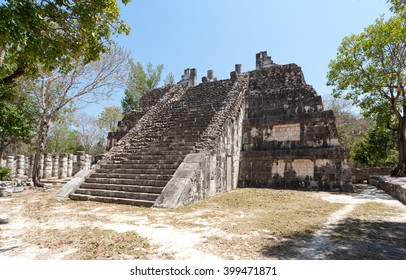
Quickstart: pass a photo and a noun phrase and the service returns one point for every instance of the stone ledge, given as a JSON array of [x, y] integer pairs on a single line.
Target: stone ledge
[[73, 184], [395, 186], [181, 190], [7, 188]]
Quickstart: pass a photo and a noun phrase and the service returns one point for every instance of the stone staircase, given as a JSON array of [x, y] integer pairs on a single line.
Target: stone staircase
[[139, 172]]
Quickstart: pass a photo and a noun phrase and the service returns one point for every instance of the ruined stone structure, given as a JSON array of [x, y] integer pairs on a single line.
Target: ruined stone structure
[[51, 167], [264, 128]]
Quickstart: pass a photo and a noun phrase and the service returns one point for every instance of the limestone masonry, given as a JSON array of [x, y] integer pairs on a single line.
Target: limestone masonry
[[265, 128]]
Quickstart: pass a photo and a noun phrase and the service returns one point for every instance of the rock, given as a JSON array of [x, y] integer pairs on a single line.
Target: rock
[[6, 188]]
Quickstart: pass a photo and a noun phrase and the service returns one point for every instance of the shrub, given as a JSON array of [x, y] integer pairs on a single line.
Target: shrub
[[5, 173]]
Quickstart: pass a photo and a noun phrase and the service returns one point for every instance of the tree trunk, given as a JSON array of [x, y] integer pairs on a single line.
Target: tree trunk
[[400, 170], [42, 136]]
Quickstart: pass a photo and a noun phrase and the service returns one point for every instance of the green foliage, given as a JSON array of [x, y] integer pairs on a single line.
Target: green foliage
[[139, 81], [17, 122], [109, 118], [370, 71], [377, 148], [169, 79], [369, 67], [5, 173], [351, 126], [398, 7], [63, 139], [53, 33]]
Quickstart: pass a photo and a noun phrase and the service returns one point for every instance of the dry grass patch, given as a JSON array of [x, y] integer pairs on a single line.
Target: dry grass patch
[[370, 232], [254, 223], [90, 243]]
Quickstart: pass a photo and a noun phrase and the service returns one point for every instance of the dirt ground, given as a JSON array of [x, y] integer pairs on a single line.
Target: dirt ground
[[242, 224]]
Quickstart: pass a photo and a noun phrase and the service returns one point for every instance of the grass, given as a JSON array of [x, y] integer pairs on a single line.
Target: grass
[[241, 224], [90, 243], [369, 233], [258, 222], [373, 212]]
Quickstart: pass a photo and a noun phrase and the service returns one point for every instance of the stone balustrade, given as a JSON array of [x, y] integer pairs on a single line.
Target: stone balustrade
[[51, 166]]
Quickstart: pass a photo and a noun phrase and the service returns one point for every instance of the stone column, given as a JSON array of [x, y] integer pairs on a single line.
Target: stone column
[[26, 165], [30, 166], [193, 77], [69, 171], [63, 166], [88, 161], [41, 164], [55, 166], [47, 166], [238, 68], [81, 160], [20, 166], [210, 75], [75, 166], [11, 164]]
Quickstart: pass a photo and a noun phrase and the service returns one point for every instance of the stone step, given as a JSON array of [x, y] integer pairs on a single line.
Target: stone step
[[160, 152], [170, 147], [113, 166], [126, 188], [203, 117], [120, 194], [83, 197], [154, 157], [191, 139], [113, 174], [133, 182], [139, 171], [148, 161]]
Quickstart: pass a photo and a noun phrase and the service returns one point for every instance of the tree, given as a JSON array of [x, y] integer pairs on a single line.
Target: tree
[[169, 79], [63, 139], [17, 121], [370, 70], [109, 118], [89, 133], [377, 148], [51, 34], [139, 81], [56, 92], [398, 6], [351, 126]]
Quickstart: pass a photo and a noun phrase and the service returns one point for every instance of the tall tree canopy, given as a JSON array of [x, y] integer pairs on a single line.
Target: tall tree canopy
[[139, 81], [53, 33], [56, 92], [18, 121], [109, 118], [370, 70]]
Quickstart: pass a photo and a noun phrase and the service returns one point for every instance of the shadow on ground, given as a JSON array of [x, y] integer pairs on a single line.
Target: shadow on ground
[[353, 239], [289, 248], [2, 250], [361, 239]]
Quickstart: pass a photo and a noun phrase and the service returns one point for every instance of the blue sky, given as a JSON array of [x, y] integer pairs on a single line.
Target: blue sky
[[217, 34]]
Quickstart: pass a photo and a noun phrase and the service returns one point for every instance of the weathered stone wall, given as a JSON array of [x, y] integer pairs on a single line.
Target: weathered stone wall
[[392, 185], [288, 140], [362, 175]]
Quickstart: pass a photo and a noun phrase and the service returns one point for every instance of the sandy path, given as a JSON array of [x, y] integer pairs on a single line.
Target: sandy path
[[320, 243]]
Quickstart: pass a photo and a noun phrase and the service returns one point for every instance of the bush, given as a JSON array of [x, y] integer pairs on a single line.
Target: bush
[[376, 149], [5, 173]]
